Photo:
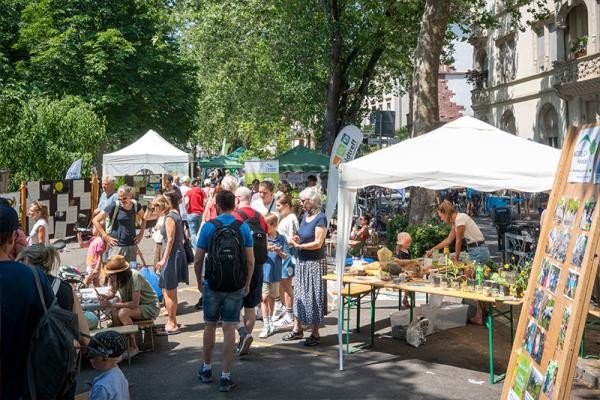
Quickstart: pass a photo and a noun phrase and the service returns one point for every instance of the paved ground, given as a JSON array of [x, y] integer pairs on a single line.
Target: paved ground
[[453, 364]]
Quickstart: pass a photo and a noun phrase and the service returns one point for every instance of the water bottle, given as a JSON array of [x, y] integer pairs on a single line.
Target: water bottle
[[435, 258]]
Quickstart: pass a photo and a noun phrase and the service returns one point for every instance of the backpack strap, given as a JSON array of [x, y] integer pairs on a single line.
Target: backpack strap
[[242, 214], [271, 205], [113, 218], [216, 223], [55, 285]]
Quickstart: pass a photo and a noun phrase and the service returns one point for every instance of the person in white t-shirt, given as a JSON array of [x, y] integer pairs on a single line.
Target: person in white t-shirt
[[39, 233], [266, 203], [463, 227], [186, 183]]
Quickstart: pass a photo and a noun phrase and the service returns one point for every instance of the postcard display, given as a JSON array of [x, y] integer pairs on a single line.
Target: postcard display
[[552, 320]]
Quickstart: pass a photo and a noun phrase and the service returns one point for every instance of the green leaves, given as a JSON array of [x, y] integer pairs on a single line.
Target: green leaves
[[121, 57], [48, 136]]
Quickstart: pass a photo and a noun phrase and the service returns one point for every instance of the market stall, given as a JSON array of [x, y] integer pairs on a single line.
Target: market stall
[[150, 154], [464, 153], [220, 162], [297, 163]]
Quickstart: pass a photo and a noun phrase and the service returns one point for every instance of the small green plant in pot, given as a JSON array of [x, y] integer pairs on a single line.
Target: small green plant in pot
[[579, 46]]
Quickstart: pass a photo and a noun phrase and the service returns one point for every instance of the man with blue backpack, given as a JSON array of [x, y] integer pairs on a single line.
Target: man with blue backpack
[[228, 246]]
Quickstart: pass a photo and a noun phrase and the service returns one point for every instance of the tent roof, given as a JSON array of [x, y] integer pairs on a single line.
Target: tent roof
[[466, 152], [151, 143], [220, 162], [150, 152], [303, 159]]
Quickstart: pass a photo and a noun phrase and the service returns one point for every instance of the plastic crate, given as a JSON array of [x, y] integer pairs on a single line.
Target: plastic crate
[[447, 316]]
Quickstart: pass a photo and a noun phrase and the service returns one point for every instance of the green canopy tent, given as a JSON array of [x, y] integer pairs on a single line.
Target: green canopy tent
[[237, 154], [220, 162], [302, 159]]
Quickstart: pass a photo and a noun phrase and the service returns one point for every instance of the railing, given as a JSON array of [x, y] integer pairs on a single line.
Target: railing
[[576, 70], [480, 97]]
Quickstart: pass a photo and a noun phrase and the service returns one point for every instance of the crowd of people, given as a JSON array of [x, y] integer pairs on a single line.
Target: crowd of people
[[275, 269]]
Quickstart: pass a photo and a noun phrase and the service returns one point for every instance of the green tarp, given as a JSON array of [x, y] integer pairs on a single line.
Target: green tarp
[[220, 162], [302, 159]]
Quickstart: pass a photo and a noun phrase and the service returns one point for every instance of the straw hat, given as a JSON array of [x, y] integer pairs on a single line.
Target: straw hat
[[116, 264]]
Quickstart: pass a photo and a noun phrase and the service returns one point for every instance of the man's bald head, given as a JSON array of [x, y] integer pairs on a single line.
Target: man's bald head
[[243, 195]]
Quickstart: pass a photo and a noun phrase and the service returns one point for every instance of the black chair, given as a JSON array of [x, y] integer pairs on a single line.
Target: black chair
[[502, 218]]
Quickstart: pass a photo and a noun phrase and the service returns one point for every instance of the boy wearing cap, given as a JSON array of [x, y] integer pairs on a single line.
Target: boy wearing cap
[[104, 351]]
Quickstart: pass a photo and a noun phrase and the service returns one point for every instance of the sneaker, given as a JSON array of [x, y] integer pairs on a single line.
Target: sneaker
[[280, 312], [225, 384], [198, 305], [266, 331], [204, 374], [285, 322], [245, 343]]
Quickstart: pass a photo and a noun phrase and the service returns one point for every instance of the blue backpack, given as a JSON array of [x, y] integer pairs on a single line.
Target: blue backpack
[[152, 278]]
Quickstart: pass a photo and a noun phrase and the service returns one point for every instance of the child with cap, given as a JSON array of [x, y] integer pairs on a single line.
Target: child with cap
[[104, 351]]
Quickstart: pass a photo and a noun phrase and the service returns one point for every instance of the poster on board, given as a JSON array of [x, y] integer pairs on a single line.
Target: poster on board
[[548, 337], [261, 169]]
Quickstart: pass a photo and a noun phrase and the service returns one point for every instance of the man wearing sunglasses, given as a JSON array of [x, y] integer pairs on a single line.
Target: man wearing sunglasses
[[120, 216]]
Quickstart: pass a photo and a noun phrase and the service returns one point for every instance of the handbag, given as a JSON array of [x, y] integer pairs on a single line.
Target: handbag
[[189, 252]]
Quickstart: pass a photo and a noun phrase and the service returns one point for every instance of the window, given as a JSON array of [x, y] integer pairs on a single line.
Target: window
[[508, 123], [506, 64], [541, 49], [548, 126], [576, 34]]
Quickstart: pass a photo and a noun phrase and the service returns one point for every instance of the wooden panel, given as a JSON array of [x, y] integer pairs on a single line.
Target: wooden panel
[[547, 340]]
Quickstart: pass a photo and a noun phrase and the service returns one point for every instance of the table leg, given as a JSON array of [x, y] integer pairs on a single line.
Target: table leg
[[512, 332], [373, 299], [412, 304], [489, 324]]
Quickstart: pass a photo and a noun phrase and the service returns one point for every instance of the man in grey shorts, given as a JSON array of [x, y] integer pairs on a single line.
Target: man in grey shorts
[[120, 233]]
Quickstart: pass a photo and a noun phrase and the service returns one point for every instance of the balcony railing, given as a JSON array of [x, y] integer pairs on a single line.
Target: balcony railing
[[577, 70], [480, 97]]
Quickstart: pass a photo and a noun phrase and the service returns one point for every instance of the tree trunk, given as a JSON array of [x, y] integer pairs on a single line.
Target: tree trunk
[[425, 92], [334, 87]]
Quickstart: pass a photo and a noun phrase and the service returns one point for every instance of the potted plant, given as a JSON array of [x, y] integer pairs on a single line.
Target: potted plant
[[476, 77], [579, 46]]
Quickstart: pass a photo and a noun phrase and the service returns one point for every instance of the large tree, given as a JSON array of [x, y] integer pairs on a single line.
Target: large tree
[[41, 137], [120, 56], [268, 65]]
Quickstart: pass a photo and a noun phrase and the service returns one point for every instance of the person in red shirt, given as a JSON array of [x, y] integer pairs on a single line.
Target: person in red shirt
[[195, 199], [243, 196]]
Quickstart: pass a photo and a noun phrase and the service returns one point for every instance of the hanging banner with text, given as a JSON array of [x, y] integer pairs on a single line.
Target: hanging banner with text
[[261, 170], [344, 150], [548, 337]]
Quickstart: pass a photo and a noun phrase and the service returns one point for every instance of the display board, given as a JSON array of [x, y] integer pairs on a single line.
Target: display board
[[547, 340], [143, 185], [65, 199], [261, 170]]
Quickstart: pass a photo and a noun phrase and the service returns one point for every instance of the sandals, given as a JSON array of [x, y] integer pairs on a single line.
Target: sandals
[[312, 341], [293, 336], [167, 332]]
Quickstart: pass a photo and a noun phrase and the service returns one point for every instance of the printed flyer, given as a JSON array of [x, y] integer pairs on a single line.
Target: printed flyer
[[585, 166], [521, 378]]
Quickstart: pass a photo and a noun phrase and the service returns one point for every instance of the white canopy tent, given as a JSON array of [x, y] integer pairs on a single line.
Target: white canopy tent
[[151, 153], [466, 152]]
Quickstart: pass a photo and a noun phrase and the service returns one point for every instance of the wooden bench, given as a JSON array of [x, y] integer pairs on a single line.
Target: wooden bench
[[352, 295], [146, 327]]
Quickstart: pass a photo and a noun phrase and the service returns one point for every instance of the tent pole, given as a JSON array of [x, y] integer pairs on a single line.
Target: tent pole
[[339, 262]]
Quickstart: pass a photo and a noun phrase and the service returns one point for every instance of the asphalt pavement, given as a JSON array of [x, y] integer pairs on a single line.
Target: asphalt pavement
[[452, 364]]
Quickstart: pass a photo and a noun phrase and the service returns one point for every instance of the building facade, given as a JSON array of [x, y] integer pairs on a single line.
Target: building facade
[[539, 82], [454, 94]]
